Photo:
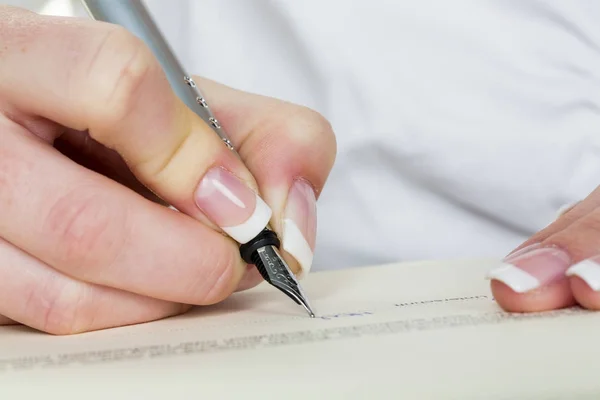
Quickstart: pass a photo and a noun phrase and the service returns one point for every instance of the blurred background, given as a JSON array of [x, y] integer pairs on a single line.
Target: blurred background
[[463, 126]]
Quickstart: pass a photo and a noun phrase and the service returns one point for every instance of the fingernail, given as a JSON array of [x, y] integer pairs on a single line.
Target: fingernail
[[589, 271], [566, 208], [232, 205], [532, 269], [300, 225]]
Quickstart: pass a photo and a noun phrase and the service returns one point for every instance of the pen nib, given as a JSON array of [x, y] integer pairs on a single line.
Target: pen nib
[[274, 270]]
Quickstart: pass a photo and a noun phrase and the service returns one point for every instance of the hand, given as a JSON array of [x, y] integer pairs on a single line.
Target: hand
[[95, 145], [558, 267]]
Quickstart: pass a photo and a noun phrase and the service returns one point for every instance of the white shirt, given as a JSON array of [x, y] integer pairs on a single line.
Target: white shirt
[[462, 126]]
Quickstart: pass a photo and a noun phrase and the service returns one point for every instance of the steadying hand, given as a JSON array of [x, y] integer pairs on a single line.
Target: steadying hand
[[557, 267]]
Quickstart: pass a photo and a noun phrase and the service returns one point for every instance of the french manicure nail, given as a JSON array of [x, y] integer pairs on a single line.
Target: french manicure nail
[[589, 271], [300, 225], [532, 269], [566, 208], [232, 205]]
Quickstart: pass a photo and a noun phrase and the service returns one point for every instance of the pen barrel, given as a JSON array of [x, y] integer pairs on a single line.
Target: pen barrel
[[133, 16]]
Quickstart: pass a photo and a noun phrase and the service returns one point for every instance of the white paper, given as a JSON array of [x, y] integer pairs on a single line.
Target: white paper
[[406, 331]]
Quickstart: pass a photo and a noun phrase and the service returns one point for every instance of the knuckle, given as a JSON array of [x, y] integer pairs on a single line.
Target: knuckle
[[325, 131], [88, 228], [121, 65], [14, 170], [311, 130], [61, 307], [322, 124], [581, 238], [591, 223], [319, 126], [162, 168]]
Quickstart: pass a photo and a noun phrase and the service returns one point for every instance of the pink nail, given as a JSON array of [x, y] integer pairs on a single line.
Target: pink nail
[[232, 205], [300, 225], [532, 269]]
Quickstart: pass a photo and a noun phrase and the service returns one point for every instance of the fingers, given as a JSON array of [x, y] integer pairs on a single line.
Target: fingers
[[97, 77], [6, 321], [566, 216], [95, 230], [533, 280], [250, 279], [558, 267], [91, 154], [290, 151], [87, 152], [41, 297], [581, 240], [93, 76]]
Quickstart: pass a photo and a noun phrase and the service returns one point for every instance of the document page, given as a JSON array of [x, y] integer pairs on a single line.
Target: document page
[[404, 331]]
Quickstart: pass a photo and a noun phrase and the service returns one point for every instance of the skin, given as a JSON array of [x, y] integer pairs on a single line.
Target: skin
[[95, 145], [86, 115], [577, 232]]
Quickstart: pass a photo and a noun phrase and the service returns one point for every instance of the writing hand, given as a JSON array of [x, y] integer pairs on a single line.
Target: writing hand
[[94, 144]]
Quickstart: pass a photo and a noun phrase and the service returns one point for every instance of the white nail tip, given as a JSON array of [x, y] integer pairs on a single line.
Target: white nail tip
[[297, 246], [246, 231], [587, 270], [515, 278], [567, 207]]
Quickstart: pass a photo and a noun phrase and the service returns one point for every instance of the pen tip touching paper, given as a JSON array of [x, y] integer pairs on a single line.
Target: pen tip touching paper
[[307, 307]]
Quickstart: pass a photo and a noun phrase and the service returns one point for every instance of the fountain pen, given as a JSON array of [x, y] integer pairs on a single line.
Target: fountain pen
[[263, 250]]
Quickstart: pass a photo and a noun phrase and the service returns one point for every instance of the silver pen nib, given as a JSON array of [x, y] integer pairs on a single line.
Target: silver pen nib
[[275, 271]]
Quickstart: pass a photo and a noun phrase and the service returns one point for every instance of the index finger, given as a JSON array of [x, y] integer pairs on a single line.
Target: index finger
[[290, 151]]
